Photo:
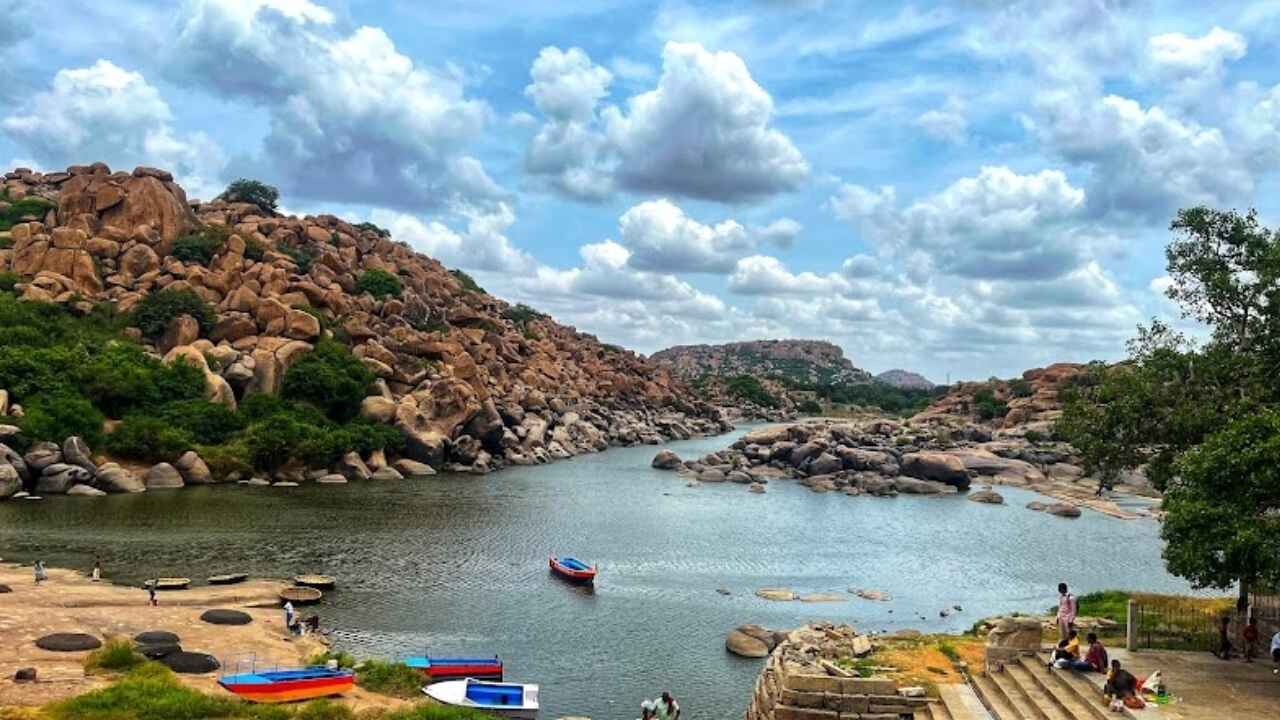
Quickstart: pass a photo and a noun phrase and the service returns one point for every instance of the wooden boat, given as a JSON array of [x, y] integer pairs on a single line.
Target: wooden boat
[[169, 583], [279, 686], [573, 569], [436, 669], [514, 700], [228, 579], [301, 595], [320, 582]]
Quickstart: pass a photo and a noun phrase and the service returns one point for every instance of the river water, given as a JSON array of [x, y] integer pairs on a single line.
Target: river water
[[459, 565]]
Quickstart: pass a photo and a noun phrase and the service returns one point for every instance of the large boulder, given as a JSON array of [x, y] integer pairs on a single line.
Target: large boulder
[[85, 491], [115, 479], [194, 471], [163, 476], [10, 482], [59, 477], [76, 452], [825, 464], [413, 468], [930, 465], [744, 645], [9, 456], [990, 497], [915, 486], [667, 460], [1063, 510], [41, 455]]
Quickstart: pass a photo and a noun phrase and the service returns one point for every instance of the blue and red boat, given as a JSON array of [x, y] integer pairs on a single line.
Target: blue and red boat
[[573, 569], [278, 686], [436, 669]]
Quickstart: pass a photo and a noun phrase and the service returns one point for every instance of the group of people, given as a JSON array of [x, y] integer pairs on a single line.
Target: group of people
[[1250, 635], [1121, 686], [300, 626], [663, 708]]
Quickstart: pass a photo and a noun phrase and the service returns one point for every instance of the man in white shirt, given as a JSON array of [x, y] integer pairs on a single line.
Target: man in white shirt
[[1275, 652], [667, 708]]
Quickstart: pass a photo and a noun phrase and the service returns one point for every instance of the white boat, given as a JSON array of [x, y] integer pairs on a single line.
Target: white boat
[[513, 700]]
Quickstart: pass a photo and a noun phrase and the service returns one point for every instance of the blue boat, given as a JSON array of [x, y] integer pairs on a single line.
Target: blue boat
[[573, 569], [513, 700], [436, 669]]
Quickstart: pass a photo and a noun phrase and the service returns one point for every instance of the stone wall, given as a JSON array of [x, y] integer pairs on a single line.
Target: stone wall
[[788, 691]]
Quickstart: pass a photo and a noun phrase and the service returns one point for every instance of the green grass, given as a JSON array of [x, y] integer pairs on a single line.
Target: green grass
[[949, 650], [435, 712], [389, 678], [863, 667], [345, 659], [116, 655], [18, 209]]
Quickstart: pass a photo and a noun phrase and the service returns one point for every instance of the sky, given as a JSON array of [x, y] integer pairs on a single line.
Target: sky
[[963, 189]]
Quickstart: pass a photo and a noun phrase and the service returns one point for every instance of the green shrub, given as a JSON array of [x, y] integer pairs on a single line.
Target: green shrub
[[254, 250], [1020, 388], [330, 378], [522, 314], [8, 281], [57, 415], [325, 710], [949, 650], [389, 678], [202, 245], [270, 445], [148, 692], [378, 283], [370, 226], [748, 388], [1034, 436], [252, 191], [154, 312], [208, 423], [18, 210], [124, 378], [345, 659], [6, 242], [809, 407], [147, 438], [987, 407], [116, 654], [223, 460], [302, 257], [467, 282]]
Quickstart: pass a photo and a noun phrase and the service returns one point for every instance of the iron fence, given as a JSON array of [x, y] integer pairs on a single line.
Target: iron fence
[[1177, 627]]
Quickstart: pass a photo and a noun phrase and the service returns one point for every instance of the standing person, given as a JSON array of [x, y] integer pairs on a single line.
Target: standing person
[[666, 708], [40, 573], [1275, 652], [288, 616], [646, 710], [1224, 638], [151, 593], [97, 570], [1067, 607], [1250, 639]]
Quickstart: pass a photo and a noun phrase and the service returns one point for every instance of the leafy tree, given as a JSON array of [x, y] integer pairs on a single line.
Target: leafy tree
[[467, 282], [1200, 418], [154, 312], [150, 439], [8, 281], [378, 283], [747, 387], [252, 191], [58, 415], [987, 406], [330, 378]]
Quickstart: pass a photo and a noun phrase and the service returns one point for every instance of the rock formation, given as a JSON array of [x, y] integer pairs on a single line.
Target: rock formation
[[1034, 401], [905, 379], [470, 381]]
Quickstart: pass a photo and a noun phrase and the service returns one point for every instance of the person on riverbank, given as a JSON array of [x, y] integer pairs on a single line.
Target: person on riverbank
[[666, 707], [1250, 635], [40, 573], [151, 593], [1067, 608], [1067, 652], [1224, 638], [97, 571], [288, 615], [1275, 652], [1120, 683], [1095, 658]]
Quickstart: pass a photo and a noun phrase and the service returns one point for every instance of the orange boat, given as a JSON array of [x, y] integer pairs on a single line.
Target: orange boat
[[573, 569], [279, 686]]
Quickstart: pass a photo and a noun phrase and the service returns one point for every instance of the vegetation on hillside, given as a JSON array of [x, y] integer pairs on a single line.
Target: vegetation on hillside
[[378, 283], [749, 389], [16, 211], [1201, 417], [890, 399], [252, 191], [71, 372]]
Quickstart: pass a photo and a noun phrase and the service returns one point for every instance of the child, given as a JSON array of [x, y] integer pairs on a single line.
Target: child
[[97, 570], [1250, 639], [1224, 639]]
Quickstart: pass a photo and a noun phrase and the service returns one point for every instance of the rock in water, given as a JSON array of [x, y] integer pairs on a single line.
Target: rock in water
[[76, 452], [10, 483], [115, 479], [667, 460], [777, 594], [987, 496], [163, 476], [1063, 510], [85, 491], [740, 643], [193, 469]]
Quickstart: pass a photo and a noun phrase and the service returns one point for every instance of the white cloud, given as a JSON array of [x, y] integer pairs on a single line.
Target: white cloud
[[352, 118], [482, 245], [704, 131], [947, 123], [105, 112], [1182, 55], [661, 237], [766, 275]]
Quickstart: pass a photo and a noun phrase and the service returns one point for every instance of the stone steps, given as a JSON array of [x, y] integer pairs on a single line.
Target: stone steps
[[1027, 690], [1068, 697], [955, 702]]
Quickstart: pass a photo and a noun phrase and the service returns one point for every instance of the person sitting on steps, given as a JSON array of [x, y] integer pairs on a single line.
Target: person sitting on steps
[[1095, 659], [1067, 652], [1120, 683]]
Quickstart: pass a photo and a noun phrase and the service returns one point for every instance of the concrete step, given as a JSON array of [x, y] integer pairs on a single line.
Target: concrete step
[[994, 698], [1066, 697], [1088, 689], [960, 703], [1018, 698], [1045, 705]]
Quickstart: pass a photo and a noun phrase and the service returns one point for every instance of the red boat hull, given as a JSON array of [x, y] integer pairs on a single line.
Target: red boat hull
[[564, 571], [458, 672], [292, 691]]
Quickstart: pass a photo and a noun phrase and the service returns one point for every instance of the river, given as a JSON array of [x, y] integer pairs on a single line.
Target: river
[[459, 565]]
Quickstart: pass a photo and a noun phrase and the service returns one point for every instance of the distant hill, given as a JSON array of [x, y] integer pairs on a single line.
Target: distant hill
[[905, 379], [797, 362]]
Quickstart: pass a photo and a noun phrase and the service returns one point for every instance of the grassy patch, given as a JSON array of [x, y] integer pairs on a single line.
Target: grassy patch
[[949, 650], [467, 282], [433, 712], [389, 678], [378, 283], [345, 659], [18, 210], [117, 655]]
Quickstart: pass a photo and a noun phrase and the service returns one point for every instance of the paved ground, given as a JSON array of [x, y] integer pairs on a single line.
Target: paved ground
[[1206, 688]]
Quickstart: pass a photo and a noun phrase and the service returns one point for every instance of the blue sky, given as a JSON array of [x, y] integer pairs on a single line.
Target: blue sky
[[964, 189]]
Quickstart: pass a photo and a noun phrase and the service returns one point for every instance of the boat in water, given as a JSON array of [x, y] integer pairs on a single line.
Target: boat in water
[[573, 569], [513, 700], [277, 686], [437, 669]]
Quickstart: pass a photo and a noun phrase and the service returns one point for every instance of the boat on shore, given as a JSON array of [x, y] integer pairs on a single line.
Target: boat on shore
[[299, 595], [228, 579], [169, 583], [278, 686], [573, 569], [438, 669], [319, 582], [512, 700]]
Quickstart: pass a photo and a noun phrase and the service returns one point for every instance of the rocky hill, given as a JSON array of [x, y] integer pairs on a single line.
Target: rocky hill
[[1032, 402], [467, 380], [798, 362], [905, 379]]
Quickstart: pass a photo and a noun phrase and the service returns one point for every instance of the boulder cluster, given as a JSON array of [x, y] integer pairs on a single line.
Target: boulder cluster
[[1034, 402], [883, 457], [70, 469], [470, 382]]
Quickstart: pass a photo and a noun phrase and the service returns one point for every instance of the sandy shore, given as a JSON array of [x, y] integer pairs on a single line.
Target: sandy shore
[[69, 602]]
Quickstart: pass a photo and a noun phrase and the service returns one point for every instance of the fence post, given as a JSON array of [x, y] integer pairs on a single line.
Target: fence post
[[1131, 629]]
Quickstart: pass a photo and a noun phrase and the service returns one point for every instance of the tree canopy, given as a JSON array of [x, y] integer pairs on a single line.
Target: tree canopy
[[1203, 418]]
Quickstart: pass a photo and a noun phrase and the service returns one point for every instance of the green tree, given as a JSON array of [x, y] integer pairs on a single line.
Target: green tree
[[378, 283], [330, 378], [252, 191]]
